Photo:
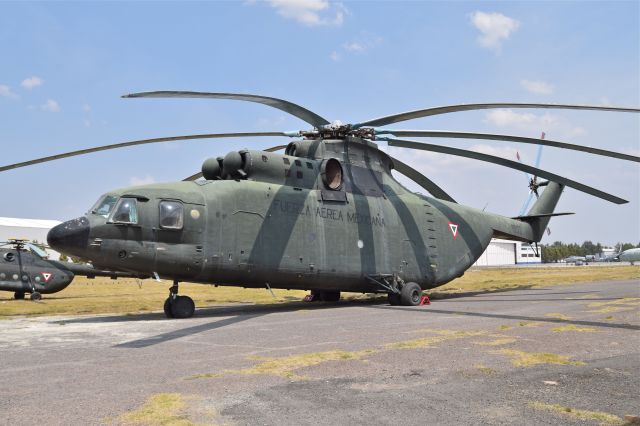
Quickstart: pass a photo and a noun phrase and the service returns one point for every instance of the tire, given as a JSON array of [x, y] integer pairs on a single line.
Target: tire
[[394, 299], [183, 307], [35, 296], [167, 308], [329, 296], [410, 294], [18, 295]]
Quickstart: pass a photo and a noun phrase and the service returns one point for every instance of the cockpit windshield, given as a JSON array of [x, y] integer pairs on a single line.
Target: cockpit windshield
[[104, 205]]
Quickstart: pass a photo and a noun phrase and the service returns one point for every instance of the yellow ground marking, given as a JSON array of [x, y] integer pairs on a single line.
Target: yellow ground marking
[[557, 316], [528, 359], [103, 295], [166, 409], [604, 418], [573, 327], [285, 366], [498, 342]]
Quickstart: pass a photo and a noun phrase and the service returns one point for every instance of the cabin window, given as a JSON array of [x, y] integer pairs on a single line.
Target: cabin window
[[126, 211], [298, 163], [332, 174], [104, 205], [286, 160], [171, 215], [309, 165]]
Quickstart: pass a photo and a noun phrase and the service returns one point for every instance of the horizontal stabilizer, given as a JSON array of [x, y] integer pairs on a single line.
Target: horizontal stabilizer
[[537, 216]]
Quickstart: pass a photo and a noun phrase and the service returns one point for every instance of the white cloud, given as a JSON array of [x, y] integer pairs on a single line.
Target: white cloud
[[537, 87], [361, 44], [494, 28], [86, 108], [51, 106], [354, 47], [5, 91], [533, 124], [335, 56], [311, 13], [31, 82], [146, 180]]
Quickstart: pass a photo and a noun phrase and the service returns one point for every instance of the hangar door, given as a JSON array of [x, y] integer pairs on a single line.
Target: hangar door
[[498, 254]]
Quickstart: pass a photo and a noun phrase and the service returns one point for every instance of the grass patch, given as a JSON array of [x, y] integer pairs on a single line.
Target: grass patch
[[572, 327], [528, 359], [497, 342], [125, 296], [604, 418], [557, 316], [286, 366], [484, 369], [164, 409], [425, 342], [624, 304]]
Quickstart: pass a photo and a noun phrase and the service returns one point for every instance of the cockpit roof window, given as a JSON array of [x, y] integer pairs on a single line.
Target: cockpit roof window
[[104, 205]]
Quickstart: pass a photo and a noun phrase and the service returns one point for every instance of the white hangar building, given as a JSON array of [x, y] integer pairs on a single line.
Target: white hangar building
[[505, 252], [27, 229]]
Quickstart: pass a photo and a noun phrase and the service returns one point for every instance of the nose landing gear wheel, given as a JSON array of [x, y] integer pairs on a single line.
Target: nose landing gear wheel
[[410, 294], [182, 307], [35, 296], [167, 308]]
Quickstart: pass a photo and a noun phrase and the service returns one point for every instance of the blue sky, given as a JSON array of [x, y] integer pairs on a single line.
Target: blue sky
[[64, 66]]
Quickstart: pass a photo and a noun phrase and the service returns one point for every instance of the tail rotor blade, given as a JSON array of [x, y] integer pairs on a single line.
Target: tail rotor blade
[[525, 206]]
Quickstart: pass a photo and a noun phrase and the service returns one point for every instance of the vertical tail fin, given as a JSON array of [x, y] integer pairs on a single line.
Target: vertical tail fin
[[545, 205]]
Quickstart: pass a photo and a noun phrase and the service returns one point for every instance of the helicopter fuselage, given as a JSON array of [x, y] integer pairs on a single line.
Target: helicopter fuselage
[[289, 222]]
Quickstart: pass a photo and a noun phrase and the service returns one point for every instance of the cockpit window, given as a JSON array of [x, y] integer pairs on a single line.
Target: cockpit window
[[104, 205], [171, 216], [126, 211]]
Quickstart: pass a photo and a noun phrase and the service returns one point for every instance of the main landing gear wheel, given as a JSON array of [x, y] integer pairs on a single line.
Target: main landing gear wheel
[[18, 295], [329, 296], [410, 294], [35, 296], [167, 308], [394, 299]]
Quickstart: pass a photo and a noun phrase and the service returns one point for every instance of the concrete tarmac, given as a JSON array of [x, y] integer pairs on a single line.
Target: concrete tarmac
[[559, 355]]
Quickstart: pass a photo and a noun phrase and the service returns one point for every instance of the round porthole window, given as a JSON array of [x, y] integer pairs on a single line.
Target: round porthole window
[[332, 174], [9, 257]]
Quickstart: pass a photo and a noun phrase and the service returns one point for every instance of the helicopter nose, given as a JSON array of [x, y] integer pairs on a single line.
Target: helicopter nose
[[70, 237]]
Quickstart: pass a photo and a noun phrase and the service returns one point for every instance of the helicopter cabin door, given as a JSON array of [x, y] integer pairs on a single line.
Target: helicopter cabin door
[[178, 236]]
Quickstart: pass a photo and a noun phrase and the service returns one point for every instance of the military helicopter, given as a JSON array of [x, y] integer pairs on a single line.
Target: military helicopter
[[25, 268], [327, 216]]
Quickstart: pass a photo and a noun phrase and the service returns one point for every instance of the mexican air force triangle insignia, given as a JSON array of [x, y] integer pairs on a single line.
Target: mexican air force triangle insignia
[[453, 227]]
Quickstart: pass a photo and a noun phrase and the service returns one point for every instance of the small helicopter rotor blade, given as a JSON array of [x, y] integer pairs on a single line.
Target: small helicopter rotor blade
[[421, 180], [506, 163], [138, 142], [410, 115], [286, 106], [509, 138], [199, 174]]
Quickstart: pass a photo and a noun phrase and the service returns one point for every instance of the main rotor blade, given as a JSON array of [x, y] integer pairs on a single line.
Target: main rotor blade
[[199, 174], [138, 142], [507, 163], [286, 106], [510, 138], [410, 115], [421, 180]]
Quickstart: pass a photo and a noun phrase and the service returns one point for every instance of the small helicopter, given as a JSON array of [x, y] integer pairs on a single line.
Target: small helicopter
[[25, 268], [327, 216]]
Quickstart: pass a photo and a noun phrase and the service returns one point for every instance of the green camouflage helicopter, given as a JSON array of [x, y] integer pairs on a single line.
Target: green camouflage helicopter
[[326, 216]]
